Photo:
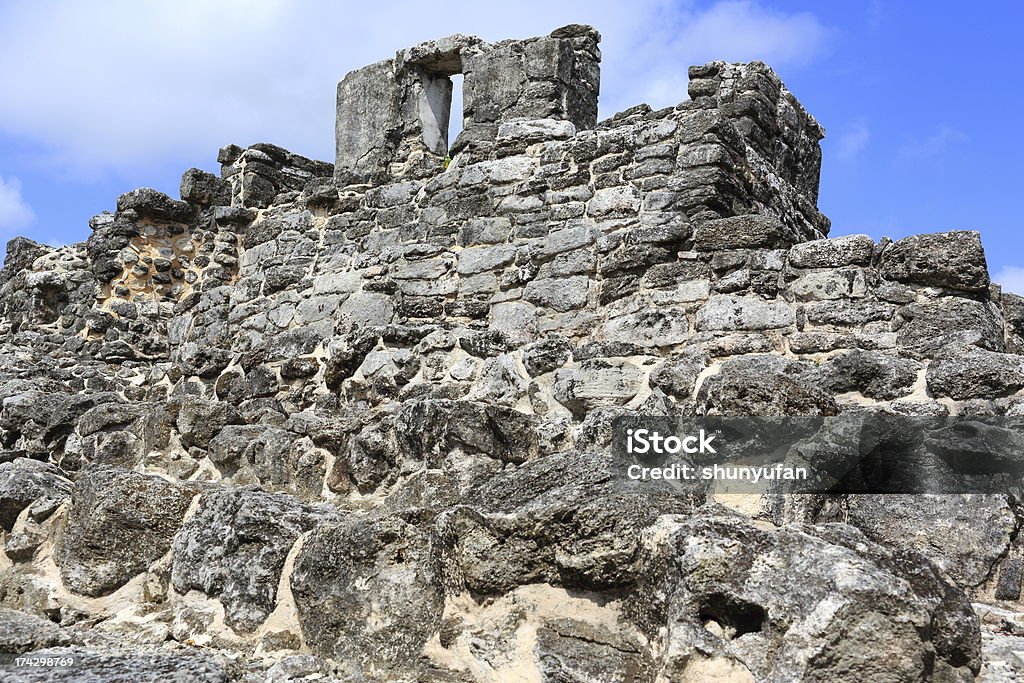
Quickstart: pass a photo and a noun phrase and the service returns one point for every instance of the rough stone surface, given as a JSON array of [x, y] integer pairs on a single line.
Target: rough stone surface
[[872, 373], [763, 385], [118, 524], [355, 421], [966, 537], [852, 250], [953, 260], [21, 632], [724, 587], [726, 312], [366, 593], [234, 548], [975, 373], [24, 481]]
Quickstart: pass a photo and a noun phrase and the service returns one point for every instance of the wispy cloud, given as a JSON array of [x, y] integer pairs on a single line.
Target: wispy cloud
[[15, 213], [852, 141], [1011, 278], [123, 85], [931, 146]]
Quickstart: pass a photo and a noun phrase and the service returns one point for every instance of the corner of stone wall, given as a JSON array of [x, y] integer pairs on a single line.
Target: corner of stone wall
[[782, 139]]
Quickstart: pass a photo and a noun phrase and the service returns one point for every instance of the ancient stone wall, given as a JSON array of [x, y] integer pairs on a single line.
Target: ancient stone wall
[[393, 116], [352, 420]]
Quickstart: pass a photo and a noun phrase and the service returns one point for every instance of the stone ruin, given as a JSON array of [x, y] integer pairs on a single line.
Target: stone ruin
[[393, 116], [346, 422]]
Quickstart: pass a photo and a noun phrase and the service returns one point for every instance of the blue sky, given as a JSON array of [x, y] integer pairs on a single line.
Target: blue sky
[[919, 99]]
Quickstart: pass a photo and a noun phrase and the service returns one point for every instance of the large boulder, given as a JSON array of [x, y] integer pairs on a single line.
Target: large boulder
[[234, 548], [273, 458], [874, 374], [719, 593], [119, 523], [429, 431], [966, 535], [754, 231], [368, 594], [21, 632], [149, 203], [970, 372], [727, 312], [199, 420], [562, 520], [832, 253]]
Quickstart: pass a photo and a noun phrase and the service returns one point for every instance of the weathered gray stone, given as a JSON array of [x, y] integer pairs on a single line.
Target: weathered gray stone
[[479, 259], [724, 312], [485, 231], [965, 535], [843, 283], [200, 420], [875, 375], [756, 231], [763, 385], [656, 328], [546, 355], [846, 313], [21, 632], [926, 328], [597, 383], [234, 547], [966, 373], [365, 309], [205, 189], [613, 202], [536, 129], [560, 294], [531, 525], [119, 523], [24, 481], [1013, 313], [429, 431], [567, 239], [825, 600], [148, 203], [832, 253], [953, 260], [363, 119], [677, 375], [367, 593]]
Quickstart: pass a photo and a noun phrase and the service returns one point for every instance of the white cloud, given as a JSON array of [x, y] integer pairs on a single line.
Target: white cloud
[[852, 141], [932, 145], [15, 214], [1011, 278], [125, 84]]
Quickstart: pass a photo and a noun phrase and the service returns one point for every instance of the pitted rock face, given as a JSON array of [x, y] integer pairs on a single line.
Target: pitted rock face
[[353, 420], [120, 523]]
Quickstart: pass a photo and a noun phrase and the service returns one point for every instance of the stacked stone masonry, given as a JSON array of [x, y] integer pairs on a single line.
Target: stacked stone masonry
[[343, 419]]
